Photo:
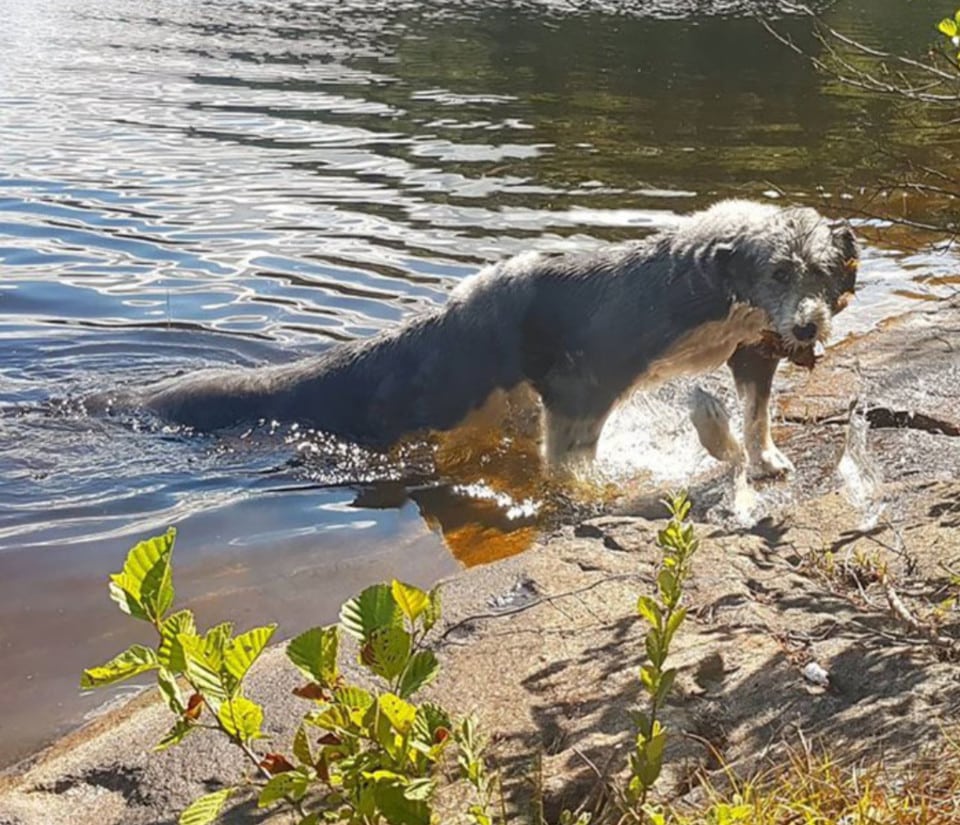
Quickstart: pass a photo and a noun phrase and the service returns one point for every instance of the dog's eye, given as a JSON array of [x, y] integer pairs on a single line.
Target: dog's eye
[[782, 274]]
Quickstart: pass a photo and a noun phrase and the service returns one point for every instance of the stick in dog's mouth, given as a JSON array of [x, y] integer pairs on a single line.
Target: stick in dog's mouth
[[805, 356]]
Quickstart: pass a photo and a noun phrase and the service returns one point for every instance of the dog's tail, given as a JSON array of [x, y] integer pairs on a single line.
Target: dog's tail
[[209, 399], [429, 374]]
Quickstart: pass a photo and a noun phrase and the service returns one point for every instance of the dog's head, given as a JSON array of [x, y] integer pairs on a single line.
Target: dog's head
[[798, 268]]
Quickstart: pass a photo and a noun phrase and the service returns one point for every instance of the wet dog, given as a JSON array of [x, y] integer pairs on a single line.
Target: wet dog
[[740, 283]]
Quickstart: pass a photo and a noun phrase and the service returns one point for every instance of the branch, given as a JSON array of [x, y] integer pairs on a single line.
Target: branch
[[840, 67], [535, 602]]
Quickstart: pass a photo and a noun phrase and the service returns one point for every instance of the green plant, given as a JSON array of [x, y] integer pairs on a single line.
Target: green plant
[[663, 614], [360, 756], [947, 605], [949, 27], [473, 768]]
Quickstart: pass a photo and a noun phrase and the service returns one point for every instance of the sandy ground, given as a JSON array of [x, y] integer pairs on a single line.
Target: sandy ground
[[545, 646]]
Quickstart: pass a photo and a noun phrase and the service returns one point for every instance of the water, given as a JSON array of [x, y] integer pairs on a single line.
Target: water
[[234, 183]]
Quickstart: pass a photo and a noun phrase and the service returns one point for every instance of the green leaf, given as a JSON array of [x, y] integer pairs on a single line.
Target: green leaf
[[354, 698], [170, 653], [374, 609], [180, 730], [215, 642], [352, 705], [292, 784], [663, 688], [650, 610], [479, 816], [655, 652], [431, 615], [396, 808], [430, 719], [650, 678], [310, 819], [315, 653], [667, 583], [240, 653], [144, 588], [386, 776], [948, 26], [170, 690], [203, 668], [420, 789], [674, 622], [400, 714], [422, 668], [332, 718], [650, 761], [135, 659], [241, 718], [206, 809], [642, 723], [387, 651], [411, 600], [377, 725], [301, 746]]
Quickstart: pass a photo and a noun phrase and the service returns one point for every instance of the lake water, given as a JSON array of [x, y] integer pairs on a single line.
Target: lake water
[[191, 184]]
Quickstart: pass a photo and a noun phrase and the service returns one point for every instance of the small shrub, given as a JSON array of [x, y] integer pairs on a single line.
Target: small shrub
[[358, 755]]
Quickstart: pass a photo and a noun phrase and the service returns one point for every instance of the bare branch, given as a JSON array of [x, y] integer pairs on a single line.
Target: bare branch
[[843, 70]]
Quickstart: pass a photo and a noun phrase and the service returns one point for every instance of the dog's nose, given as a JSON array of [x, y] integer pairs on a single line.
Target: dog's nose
[[805, 333]]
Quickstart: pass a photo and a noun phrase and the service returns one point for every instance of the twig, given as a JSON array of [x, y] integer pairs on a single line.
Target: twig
[[535, 602], [902, 612], [602, 780]]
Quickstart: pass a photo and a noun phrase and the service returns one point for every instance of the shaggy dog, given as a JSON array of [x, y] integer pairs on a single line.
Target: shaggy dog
[[741, 283]]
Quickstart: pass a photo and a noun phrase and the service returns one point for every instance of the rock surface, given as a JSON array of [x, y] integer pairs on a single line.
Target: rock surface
[[545, 646]]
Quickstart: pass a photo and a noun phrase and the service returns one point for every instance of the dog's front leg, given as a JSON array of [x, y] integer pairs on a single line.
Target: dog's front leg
[[753, 371], [569, 440]]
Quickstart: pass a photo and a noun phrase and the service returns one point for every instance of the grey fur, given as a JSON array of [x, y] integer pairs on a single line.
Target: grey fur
[[581, 328]]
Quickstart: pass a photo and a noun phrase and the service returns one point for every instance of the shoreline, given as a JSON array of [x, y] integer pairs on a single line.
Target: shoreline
[[558, 676]]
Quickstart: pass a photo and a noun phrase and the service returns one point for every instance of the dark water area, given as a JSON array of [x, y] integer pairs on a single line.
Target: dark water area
[[194, 184]]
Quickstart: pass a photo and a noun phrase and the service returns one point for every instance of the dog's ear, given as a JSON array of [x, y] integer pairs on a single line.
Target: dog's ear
[[846, 241]]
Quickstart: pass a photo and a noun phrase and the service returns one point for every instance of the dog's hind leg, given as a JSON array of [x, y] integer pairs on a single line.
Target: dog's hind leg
[[570, 440], [753, 371]]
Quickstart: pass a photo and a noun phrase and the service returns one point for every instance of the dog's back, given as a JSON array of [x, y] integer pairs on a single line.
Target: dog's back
[[580, 328]]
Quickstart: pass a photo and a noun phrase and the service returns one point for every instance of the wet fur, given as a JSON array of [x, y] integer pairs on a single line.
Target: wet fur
[[581, 328]]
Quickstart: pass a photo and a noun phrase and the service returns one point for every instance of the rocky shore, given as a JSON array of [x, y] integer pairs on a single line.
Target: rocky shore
[[843, 566]]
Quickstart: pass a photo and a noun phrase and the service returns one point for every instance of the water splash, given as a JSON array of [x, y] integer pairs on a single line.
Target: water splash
[[858, 471]]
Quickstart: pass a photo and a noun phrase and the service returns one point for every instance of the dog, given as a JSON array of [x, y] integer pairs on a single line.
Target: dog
[[740, 283]]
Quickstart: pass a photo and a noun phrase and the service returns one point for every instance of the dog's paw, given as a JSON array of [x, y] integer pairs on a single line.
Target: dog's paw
[[771, 462], [711, 420]]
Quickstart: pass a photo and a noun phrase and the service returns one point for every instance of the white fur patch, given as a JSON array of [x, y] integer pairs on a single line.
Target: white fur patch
[[707, 347]]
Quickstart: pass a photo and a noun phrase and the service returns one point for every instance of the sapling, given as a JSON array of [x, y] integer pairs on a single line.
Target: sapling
[[663, 614]]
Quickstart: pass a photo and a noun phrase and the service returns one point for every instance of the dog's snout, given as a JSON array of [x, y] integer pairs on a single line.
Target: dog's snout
[[807, 332]]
